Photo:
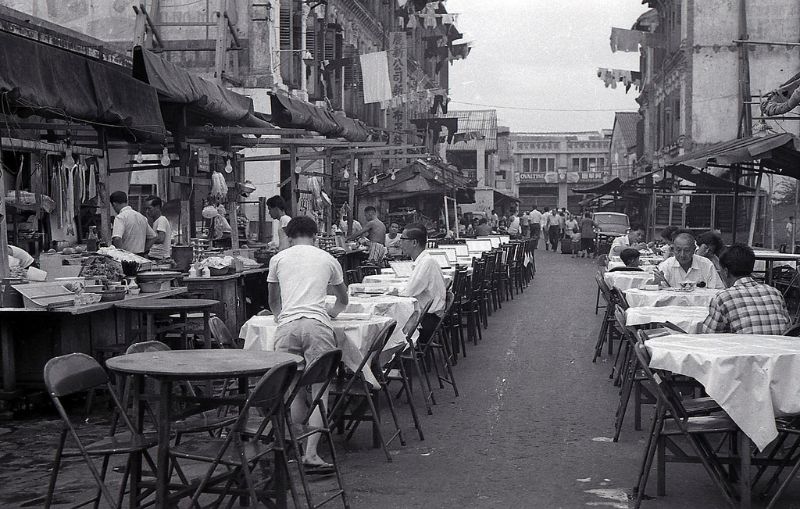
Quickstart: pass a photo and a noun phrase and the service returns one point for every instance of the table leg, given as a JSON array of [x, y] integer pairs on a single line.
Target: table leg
[[206, 329], [151, 327], [744, 474], [184, 340], [162, 463], [138, 421], [7, 353]]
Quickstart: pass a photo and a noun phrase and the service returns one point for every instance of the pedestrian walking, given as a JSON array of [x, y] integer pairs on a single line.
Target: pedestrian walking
[[587, 226], [514, 225], [536, 226], [525, 224], [544, 227], [553, 228]]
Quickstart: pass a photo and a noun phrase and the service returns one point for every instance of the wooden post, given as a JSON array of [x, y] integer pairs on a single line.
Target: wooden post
[[221, 53], [262, 219], [328, 170], [4, 266], [351, 193], [754, 213], [103, 205], [293, 180], [186, 223], [233, 199]]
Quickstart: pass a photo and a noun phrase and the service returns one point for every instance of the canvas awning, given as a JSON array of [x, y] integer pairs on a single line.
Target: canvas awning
[[776, 152], [175, 84], [37, 79], [422, 177], [609, 187], [291, 112]]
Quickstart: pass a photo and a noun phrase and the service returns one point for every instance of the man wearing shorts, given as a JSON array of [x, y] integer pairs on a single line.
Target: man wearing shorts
[[299, 277]]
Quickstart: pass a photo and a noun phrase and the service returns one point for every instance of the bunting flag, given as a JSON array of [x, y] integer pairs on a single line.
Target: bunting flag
[[613, 76], [375, 77], [625, 40]]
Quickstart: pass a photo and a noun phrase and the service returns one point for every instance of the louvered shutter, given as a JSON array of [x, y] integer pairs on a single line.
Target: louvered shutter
[[286, 41]]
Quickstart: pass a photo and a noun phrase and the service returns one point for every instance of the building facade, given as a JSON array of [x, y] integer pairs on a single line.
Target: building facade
[[625, 148], [549, 165]]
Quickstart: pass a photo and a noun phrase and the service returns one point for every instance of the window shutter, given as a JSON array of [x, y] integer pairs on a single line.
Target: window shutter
[[286, 42]]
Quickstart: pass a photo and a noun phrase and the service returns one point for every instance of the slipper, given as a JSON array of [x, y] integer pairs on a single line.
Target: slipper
[[318, 468]]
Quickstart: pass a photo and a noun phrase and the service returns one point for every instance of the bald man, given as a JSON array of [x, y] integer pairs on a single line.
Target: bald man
[[684, 266]]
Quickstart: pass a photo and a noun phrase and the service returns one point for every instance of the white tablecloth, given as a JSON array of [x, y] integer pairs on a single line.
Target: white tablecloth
[[753, 378], [688, 318], [394, 280], [625, 280], [399, 308], [351, 335], [667, 297]]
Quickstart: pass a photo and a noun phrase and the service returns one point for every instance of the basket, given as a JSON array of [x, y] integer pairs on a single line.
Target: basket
[[154, 286], [220, 272], [112, 295]]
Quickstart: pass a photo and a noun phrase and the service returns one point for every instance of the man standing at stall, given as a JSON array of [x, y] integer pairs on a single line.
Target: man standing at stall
[[277, 211], [299, 278], [131, 231], [373, 229], [162, 245]]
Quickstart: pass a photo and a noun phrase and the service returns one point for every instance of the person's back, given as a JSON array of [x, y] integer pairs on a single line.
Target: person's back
[[587, 228], [483, 229], [377, 230], [133, 229]]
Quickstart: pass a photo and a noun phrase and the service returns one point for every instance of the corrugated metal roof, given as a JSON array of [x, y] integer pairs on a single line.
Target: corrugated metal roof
[[483, 122], [627, 120]]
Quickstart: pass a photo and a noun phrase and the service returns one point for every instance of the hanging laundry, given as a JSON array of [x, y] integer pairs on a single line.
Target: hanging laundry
[[375, 77], [401, 3], [626, 40], [412, 21], [429, 16], [92, 188]]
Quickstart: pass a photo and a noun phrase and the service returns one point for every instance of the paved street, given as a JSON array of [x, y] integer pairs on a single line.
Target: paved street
[[531, 428]]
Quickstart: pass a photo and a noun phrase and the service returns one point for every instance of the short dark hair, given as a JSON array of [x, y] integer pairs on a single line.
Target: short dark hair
[[483, 221], [587, 214], [155, 201], [712, 240], [118, 197], [547, 209], [668, 233], [628, 255], [370, 209], [276, 202], [739, 259], [418, 232], [301, 226], [637, 227]]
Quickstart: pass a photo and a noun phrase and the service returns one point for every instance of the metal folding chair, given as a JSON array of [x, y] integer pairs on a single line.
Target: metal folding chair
[[411, 354], [439, 342], [74, 373], [241, 457]]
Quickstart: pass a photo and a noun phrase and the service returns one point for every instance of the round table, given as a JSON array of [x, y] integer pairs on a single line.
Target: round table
[[752, 377], [352, 332], [152, 307], [625, 280], [176, 365], [670, 297], [688, 318]]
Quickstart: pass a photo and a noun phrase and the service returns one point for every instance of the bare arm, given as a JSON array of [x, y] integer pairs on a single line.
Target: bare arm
[[161, 237], [361, 233], [340, 292], [274, 291], [116, 242]]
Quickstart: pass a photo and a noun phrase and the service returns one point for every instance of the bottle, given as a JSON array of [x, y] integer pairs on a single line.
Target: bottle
[[193, 271], [91, 239]]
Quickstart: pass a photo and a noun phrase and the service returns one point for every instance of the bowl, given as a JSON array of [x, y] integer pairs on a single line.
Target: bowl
[[112, 295], [650, 288], [153, 286], [688, 286]]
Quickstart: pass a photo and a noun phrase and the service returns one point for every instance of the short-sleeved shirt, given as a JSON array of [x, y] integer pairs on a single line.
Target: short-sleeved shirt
[[304, 273], [525, 219], [701, 270], [163, 250], [483, 229], [426, 284], [133, 229], [587, 228], [377, 232], [393, 245], [19, 258], [748, 307], [552, 220], [280, 224], [622, 241], [536, 216], [513, 225]]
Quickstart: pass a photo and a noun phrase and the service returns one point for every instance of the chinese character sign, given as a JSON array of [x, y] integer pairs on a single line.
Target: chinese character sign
[[398, 62]]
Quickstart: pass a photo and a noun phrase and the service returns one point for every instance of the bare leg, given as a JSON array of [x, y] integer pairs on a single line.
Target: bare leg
[[299, 411]]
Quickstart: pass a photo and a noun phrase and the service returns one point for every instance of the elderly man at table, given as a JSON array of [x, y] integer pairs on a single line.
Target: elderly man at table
[[630, 257], [631, 239], [685, 265], [426, 283], [130, 231], [746, 306], [299, 278]]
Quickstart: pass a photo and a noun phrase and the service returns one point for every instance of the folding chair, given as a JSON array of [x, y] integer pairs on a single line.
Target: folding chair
[[222, 336], [606, 326], [74, 373], [675, 418], [355, 392], [471, 303], [320, 371], [439, 343], [411, 354], [453, 321], [240, 457]]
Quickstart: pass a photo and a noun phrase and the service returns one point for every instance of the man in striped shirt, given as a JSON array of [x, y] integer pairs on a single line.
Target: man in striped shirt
[[746, 306]]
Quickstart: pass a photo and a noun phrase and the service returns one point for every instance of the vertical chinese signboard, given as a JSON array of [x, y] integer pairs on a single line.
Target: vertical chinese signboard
[[398, 70]]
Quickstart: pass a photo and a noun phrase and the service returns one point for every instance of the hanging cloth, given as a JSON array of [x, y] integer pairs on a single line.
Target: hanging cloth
[[92, 191]]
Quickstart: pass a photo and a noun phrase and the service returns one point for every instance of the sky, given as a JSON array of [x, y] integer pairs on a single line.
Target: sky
[[542, 54]]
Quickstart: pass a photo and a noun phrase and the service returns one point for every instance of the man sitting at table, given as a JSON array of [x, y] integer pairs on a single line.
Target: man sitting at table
[[687, 266], [746, 306], [631, 239], [630, 257], [426, 283], [299, 278]]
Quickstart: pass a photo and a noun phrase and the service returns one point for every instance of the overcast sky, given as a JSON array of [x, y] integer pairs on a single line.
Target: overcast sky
[[543, 54]]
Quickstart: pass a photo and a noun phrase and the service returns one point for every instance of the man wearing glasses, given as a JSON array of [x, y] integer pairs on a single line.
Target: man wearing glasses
[[426, 283], [687, 266]]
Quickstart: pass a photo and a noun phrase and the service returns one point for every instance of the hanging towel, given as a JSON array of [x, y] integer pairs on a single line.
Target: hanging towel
[[375, 76], [92, 183]]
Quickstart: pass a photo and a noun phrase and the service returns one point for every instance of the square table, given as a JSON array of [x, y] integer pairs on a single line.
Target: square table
[[670, 297]]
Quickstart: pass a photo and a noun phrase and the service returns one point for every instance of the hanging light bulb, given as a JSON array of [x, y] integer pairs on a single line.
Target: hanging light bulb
[[435, 176], [374, 179], [165, 157], [394, 174], [139, 157], [228, 167], [346, 174]]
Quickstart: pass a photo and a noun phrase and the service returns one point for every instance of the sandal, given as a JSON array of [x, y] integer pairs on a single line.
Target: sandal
[[318, 468]]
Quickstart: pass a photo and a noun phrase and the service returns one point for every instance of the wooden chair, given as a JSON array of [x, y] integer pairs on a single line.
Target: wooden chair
[[75, 373]]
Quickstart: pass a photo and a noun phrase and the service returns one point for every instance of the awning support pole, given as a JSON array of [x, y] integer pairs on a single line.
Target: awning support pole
[[351, 192], [736, 174], [4, 266], [293, 180], [754, 213], [103, 205]]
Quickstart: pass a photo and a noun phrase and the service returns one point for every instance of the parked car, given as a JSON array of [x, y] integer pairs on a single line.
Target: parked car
[[609, 226]]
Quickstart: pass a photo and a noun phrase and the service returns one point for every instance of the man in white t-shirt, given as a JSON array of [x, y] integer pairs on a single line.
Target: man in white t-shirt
[[131, 231], [277, 211], [631, 239], [514, 224], [19, 258], [299, 278], [162, 245]]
